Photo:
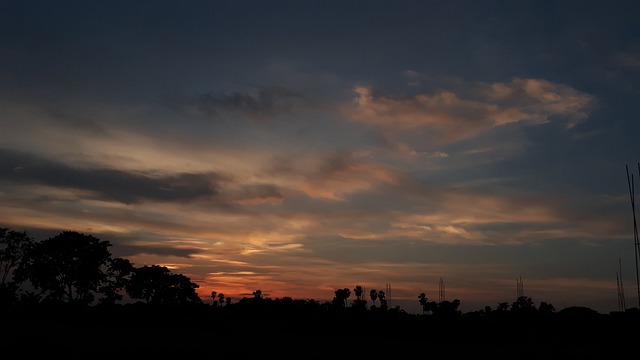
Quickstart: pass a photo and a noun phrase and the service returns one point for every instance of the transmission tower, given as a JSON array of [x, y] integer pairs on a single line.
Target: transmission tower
[[441, 296], [388, 294], [519, 288]]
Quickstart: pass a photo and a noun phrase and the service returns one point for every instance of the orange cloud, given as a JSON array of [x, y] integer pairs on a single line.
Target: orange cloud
[[448, 116]]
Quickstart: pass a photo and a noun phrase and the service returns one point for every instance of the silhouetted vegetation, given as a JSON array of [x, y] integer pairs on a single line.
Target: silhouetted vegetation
[[64, 296]]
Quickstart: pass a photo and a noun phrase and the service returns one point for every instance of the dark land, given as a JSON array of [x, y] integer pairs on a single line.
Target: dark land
[[299, 330], [74, 310]]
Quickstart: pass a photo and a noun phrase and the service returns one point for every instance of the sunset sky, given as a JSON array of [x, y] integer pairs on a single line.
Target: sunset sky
[[300, 147]]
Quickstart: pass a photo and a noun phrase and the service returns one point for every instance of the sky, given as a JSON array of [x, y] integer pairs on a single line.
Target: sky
[[452, 148]]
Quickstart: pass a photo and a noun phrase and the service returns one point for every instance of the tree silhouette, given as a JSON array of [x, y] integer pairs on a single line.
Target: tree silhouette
[[13, 246], [358, 291], [523, 304], [257, 294], [69, 267], [181, 290], [341, 297], [118, 274], [424, 302], [359, 302], [546, 308], [218, 299], [373, 294], [447, 309], [502, 306], [157, 285], [383, 300]]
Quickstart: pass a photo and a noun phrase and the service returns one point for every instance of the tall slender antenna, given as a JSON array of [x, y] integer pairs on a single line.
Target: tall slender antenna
[[441, 296], [388, 294], [636, 243], [519, 288], [621, 305]]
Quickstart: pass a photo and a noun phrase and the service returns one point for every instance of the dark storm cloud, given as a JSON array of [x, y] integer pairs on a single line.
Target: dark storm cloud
[[261, 104], [106, 184]]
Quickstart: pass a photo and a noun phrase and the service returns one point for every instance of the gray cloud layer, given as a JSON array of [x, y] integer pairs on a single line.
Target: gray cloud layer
[[106, 184], [262, 104]]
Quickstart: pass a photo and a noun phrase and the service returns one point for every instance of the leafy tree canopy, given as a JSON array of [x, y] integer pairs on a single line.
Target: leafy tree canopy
[[69, 267]]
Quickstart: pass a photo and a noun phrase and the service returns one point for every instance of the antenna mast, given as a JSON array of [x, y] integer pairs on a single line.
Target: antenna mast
[[519, 288], [636, 243], [388, 295], [621, 305]]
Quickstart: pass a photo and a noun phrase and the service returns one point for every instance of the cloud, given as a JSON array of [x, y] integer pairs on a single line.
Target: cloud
[[258, 193], [541, 101], [125, 250], [332, 176], [340, 174], [449, 116], [260, 104], [105, 183], [627, 60]]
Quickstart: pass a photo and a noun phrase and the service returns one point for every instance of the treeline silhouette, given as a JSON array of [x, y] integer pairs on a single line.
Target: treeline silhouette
[[66, 295]]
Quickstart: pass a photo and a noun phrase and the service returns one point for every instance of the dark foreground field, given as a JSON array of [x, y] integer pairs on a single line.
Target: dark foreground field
[[188, 333]]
